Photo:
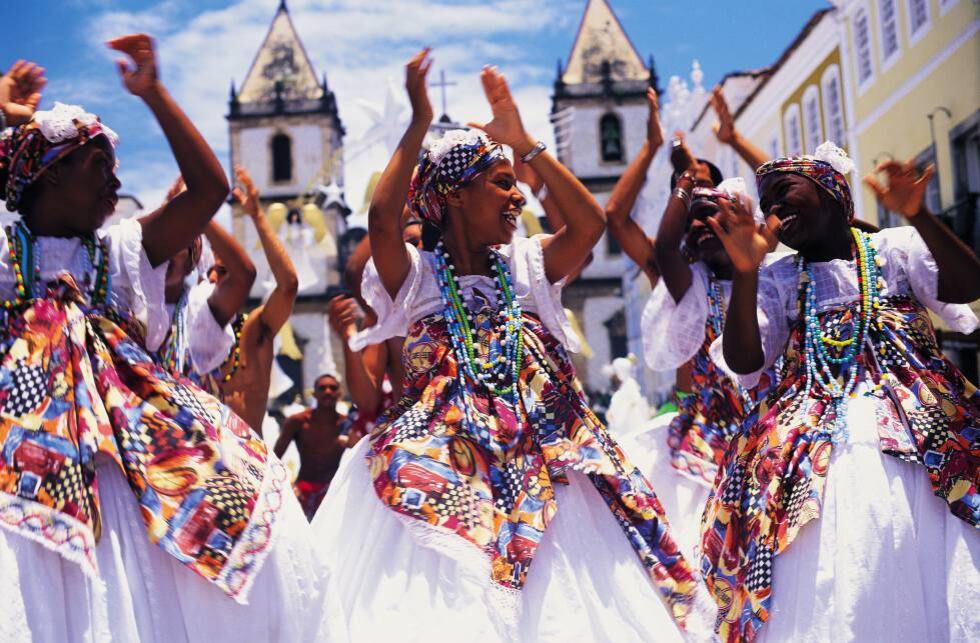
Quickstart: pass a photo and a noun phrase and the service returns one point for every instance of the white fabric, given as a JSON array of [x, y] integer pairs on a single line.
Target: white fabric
[[682, 497], [886, 560], [419, 295], [58, 123], [628, 411], [208, 342], [145, 595], [585, 584], [909, 269], [135, 284], [673, 332]]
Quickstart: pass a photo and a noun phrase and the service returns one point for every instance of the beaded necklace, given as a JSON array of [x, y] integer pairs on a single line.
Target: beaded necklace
[[236, 352], [818, 361], [716, 317], [21, 245], [497, 371]]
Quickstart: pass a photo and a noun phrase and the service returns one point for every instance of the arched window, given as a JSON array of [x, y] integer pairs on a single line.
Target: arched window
[[862, 48], [282, 158], [813, 124], [833, 108], [611, 138], [791, 125]]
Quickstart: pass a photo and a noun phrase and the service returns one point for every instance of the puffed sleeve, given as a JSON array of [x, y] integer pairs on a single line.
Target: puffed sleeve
[[136, 285], [209, 342], [393, 316], [776, 283], [527, 265], [904, 251], [674, 331]]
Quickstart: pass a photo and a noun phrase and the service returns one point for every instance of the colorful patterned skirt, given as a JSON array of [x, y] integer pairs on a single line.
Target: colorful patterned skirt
[[87, 417], [894, 554], [476, 503]]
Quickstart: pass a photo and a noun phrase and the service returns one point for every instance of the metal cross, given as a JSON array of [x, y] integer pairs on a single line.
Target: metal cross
[[443, 84]]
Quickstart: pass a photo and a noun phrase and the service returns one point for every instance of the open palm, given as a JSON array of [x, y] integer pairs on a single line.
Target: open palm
[[506, 126], [746, 241], [20, 91], [142, 77], [906, 188]]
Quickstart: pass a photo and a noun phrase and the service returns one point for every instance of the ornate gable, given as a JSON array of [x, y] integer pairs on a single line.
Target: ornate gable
[[281, 65]]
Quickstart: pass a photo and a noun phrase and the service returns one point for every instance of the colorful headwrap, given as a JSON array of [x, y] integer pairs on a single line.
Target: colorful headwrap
[[828, 168], [449, 164], [30, 149]]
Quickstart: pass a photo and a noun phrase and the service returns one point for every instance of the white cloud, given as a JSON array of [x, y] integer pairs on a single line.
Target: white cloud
[[359, 44]]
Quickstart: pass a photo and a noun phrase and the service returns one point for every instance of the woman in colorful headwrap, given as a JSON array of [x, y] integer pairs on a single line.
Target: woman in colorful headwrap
[[133, 506], [865, 402], [492, 458]]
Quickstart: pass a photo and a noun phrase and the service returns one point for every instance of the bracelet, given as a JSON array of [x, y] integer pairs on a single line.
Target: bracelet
[[684, 196], [542, 193], [537, 149]]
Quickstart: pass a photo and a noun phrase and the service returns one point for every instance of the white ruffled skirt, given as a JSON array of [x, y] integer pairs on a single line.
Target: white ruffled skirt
[[886, 560], [146, 596], [585, 584], [682, 496]]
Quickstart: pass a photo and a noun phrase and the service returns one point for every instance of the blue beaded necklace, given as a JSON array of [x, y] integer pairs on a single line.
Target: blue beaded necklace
[[498, 371], [819, 363], [716, 317]]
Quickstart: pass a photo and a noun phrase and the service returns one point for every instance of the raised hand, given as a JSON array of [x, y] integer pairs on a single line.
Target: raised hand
[[905, 189], [416, 72], [176, 188], [526, 174], [342, 313], [746, 241], [140, 79], [247, 195], [20, 91], [725, 127], [655, 132], [505, 126]]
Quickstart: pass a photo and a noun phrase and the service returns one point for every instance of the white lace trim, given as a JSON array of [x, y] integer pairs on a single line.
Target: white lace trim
[[441, 147], [58, 123], [829, 153]]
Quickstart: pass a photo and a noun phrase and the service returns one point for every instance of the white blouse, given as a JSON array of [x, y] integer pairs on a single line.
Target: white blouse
[[135, 284], [419, 295], [908, 269], [208, 343]]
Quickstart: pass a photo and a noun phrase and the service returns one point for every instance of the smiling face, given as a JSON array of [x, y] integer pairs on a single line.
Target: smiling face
[[488, 206], [807, 217], [85, 185], [700, 239]]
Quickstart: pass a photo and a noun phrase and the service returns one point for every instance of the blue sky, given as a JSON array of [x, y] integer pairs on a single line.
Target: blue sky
[[360, 44]]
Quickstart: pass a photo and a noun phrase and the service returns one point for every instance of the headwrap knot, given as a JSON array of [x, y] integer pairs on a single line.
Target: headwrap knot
[[827, 168]]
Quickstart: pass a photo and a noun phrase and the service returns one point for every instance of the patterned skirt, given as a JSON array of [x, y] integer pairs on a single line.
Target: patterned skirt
[[474, 473]]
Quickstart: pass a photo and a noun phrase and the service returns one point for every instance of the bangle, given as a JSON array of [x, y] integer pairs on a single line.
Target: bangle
[[684, 196], [542, 193], [537, 149]]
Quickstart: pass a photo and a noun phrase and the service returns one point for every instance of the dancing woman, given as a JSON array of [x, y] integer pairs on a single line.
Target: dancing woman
[[103, 454], [492, 457], [865, 402]]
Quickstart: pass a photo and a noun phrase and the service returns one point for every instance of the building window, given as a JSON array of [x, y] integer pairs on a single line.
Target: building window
[[888, 20], [946, 5], [811, 117], [833, 109], [616, 331], [612, 246], [774, 147], [918, 19], [282, 158], [862, 47], [791, 123], [611, 138]]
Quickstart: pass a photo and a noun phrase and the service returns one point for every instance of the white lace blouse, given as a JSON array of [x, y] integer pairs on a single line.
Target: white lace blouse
[[908, 269], [419, 295], [135, 284], [208, 343]]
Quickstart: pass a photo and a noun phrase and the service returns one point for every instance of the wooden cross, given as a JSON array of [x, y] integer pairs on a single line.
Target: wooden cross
[[443, 84]]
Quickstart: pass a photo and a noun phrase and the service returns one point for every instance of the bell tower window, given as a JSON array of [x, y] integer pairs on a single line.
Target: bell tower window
[[611, 138], [282, 158]]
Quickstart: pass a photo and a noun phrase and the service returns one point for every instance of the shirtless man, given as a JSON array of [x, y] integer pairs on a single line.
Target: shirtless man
[[245, 380], [316, 432]]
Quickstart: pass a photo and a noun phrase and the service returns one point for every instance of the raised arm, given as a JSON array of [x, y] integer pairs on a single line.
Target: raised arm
[[673, 266], [279, 306], [20, 91], [959, 267], [747, 244], [231, 290], [385, 213], [727, 134], [364, 370], [567, 248], [175, 224], [627, 232]]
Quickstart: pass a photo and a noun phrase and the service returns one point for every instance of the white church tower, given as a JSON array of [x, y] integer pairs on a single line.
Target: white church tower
[[599, 112], [286, 132]]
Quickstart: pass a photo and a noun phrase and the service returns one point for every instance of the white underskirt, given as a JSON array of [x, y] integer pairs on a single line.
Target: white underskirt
[[146, 596], [585, 584]]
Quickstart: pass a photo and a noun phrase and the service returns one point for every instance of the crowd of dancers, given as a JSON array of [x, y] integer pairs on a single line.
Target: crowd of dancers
[[477, 496]]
